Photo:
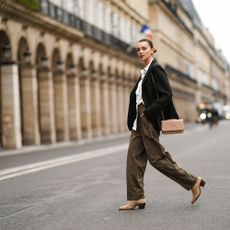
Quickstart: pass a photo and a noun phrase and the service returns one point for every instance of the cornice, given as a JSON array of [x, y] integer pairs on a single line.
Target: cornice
[[167, 6], [11, 10], [128, 9]]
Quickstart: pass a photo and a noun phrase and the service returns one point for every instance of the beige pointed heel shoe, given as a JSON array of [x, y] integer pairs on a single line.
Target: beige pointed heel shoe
[[132, 204], [196, 189]]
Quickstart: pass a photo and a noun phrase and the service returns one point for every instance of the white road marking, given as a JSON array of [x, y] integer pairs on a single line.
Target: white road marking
[[30, 168], [29, 149]]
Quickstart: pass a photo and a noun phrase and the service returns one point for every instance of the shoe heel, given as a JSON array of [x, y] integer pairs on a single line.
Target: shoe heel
[[141, 206], [202, 183]]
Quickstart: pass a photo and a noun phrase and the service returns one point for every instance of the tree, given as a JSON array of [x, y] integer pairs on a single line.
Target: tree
[[31, 4]]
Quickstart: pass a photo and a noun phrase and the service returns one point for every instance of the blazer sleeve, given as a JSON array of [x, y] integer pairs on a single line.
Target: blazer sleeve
[[164, 93]]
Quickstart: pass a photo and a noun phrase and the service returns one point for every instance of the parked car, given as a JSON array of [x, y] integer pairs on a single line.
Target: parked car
[[207, 115], [226, 112]]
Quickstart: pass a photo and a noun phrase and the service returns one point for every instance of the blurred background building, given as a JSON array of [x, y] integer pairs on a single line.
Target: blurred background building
[[67, 67], [198, 72]]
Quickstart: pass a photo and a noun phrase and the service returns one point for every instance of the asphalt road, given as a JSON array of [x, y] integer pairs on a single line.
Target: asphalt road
[[81, 187]]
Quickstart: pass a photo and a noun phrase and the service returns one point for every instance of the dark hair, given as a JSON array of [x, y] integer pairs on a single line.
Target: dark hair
[[148, 41]]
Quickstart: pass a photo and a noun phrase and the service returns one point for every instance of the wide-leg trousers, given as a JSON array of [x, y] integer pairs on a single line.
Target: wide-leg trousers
[[144, 145]]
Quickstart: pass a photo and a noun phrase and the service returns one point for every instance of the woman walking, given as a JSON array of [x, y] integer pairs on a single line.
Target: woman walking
[[144, 118]]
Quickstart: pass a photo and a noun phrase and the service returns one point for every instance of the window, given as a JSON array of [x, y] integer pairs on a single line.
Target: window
[[78, 8], [69, 6], [90, 11], [134, 32], [100, 15], [115, 24], [122, 28], [57, 2], [108, 20], [128, 32]]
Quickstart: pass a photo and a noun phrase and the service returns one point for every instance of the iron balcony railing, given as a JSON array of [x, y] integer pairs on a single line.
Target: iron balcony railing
[[56, 12], [59, 14], [180, 74]]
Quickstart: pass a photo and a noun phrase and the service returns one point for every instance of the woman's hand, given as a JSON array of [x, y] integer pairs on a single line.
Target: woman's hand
[[142, 115]]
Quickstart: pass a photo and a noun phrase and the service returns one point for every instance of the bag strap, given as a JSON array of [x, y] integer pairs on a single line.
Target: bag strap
[[153, 80]]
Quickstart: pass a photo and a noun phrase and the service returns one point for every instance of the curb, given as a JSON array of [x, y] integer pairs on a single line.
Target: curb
[[30, 149], [189, 127]]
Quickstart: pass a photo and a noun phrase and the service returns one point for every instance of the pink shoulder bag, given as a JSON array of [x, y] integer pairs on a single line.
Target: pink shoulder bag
[[169, 126]]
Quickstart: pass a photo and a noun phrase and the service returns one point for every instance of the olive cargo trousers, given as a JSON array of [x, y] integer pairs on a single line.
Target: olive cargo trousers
[[144, 145]]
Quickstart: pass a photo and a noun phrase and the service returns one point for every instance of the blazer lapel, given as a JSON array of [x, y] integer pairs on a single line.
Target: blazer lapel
[[154, 61], [135, 86]]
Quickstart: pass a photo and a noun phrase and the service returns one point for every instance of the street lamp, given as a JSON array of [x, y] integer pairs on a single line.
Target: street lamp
[[44, 62], [94, 74], [60, 65], [71, 71], [72, 68], [6, 52], [27, 56], [84, 72]]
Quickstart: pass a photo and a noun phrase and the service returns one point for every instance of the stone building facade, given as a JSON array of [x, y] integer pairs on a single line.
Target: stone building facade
[[198, 72], [67, 68]]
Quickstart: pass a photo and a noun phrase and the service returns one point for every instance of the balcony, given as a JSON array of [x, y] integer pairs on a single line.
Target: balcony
[[171, 70], [51, 10]]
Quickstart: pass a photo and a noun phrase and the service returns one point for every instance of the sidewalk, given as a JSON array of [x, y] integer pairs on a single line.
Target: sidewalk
[[47, 147]]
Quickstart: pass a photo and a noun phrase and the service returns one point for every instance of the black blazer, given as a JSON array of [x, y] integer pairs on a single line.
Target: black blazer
[[153, 105]]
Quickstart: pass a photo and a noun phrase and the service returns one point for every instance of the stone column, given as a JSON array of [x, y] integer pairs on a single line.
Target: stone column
[[11, 119], [105, 112], [126, 102], [29, 85], [96, 105], [61, 106], [46, 106], [74, 112], [0, 109], [120, 105], [111, 109], [86, 118], [112, 104]]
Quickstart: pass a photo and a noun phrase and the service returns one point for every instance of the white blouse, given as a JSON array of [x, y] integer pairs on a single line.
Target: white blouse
[[138, 93]]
